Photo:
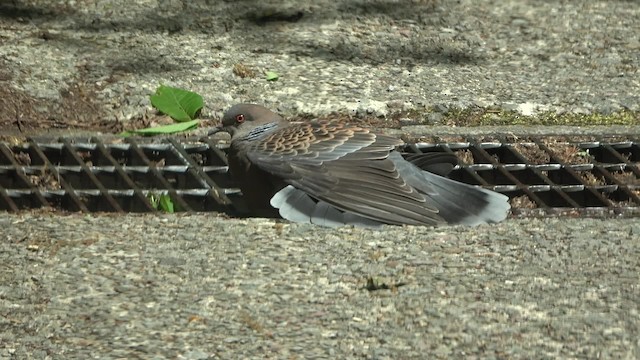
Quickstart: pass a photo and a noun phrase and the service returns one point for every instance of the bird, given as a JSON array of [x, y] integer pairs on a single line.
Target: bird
[[331, 173]]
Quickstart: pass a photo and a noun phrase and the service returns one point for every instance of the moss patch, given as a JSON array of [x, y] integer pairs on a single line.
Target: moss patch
[[483, 117]]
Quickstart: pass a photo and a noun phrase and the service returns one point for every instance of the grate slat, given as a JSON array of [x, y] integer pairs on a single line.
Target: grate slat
[[215, 192], [595, 197], [36, 198], [56, 176], [73, 153], [104, 156], [153, 160]]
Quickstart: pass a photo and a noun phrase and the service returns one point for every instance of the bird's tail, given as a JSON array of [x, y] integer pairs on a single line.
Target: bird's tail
[[457, 203], [460, 203]]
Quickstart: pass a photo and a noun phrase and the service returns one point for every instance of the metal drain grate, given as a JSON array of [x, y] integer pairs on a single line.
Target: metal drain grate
[[555, 174], [552, 174]]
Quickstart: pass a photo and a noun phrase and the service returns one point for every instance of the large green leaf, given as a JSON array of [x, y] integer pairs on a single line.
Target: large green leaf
[[179, 104], [165, 129]]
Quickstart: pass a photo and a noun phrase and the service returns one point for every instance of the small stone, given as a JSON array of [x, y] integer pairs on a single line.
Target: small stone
[[195, 355], [435, 118], [519, 22]]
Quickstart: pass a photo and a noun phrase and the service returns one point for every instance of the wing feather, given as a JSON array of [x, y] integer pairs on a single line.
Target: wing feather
[[346, 167]]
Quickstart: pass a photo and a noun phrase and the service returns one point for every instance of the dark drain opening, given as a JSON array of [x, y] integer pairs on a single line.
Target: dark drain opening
[[549, 174]]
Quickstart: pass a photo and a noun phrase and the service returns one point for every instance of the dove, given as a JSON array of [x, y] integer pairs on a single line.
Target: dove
[[333, 174]]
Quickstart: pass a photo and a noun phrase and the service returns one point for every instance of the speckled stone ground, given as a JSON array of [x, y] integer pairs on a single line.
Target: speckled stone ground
[[199, 287], [367, 56]]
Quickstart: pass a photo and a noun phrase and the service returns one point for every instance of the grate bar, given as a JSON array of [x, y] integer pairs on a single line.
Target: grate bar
[[139, 198], [153, 168], [598, 200], [11, 205], [21, 177], [90, 174], [53, 171], [215, 192]]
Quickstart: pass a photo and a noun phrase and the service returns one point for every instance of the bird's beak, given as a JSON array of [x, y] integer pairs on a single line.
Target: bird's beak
[[216, 130]]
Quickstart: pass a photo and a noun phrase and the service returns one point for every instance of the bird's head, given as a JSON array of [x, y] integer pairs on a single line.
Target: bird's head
[[242, 119]]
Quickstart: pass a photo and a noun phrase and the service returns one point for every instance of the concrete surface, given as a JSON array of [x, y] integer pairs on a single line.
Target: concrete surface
[[200, 287]]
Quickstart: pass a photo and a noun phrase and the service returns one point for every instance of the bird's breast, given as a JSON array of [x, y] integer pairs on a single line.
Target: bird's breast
[[258, 186]]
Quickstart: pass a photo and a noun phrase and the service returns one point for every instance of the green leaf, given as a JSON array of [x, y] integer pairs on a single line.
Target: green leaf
[[153, 200], [166, 129], [179, 104], [166, 204], [271, 75]]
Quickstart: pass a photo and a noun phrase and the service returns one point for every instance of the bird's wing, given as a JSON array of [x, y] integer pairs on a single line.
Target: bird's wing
[[440, 163], [346, 167]]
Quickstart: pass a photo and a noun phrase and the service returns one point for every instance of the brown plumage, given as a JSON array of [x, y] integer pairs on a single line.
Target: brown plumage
[[332, 174]]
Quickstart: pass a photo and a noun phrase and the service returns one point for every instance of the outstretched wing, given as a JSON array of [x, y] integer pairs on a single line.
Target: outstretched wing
[[439, 163], [346, 167]]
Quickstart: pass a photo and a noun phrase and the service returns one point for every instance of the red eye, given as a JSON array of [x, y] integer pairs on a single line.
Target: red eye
[[240, 118]]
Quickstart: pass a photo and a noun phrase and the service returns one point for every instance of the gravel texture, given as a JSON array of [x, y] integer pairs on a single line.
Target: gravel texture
[[354, 55], [199, 287]]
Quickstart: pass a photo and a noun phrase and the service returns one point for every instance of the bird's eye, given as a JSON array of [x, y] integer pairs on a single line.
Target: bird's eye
[[240, 118]]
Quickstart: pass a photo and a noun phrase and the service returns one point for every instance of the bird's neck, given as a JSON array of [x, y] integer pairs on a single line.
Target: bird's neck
[[258, 132]]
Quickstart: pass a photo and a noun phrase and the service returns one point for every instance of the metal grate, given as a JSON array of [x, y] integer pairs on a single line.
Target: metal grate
[[555, 174], [545, 174]]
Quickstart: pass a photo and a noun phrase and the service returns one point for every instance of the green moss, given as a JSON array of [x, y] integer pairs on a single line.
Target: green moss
[[480, 117]]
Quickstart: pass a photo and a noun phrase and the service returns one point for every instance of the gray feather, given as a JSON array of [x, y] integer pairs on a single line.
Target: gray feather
[[326, 215], [297, 206], [293, 205], [332, 174], [457, 203]]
